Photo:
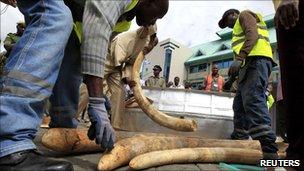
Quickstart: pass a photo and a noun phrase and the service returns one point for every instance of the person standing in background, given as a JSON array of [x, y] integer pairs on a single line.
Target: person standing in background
[[156, 80], [214, 82]]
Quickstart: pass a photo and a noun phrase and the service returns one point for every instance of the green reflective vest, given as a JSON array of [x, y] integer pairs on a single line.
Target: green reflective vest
[[270, 101], [121, 26], [77, 26], [125, 25], [11, 38], [261, 48]]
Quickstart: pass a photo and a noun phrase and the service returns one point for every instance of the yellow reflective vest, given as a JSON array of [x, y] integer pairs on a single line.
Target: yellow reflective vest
[[270, 101], [261, 48], [121, 26], [125, 25]]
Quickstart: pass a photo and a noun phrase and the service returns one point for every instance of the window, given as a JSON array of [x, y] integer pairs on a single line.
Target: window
[[198, 68], [222, 64], [223, 47], [199, 53], [202, 68], [197, 85], [193, 69]]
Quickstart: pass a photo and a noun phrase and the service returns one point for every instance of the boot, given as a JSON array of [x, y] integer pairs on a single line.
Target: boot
[[31, 160]]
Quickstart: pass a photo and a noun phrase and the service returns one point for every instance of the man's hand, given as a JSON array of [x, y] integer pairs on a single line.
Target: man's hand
[[234, 68], [240, 57], [147, 49], [228, 84], [12, 3], [131, 83], [153, 42], [127, 80], [101, 129], [287, 13]]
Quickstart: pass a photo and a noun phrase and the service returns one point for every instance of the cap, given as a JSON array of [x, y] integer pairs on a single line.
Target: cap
[[22, 23], [157, 67], [223, 22]]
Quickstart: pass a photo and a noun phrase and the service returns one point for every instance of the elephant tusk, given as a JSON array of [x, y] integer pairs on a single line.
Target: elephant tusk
[[157, 116]]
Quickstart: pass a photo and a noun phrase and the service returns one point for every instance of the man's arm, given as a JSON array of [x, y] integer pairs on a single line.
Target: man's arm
[[98, 21], [126, 75], [119, 51], [152, 43], [248, 23], [164, 84], [204, 85], [148, 82]]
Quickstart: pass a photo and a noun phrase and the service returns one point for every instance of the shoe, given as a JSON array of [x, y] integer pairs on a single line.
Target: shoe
[[31, 160]]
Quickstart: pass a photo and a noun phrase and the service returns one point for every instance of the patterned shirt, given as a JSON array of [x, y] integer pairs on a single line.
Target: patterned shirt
[[156, 82], [99, 20]]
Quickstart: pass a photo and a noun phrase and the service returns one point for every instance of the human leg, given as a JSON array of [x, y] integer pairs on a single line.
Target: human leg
[[29, 77], [253, 88], [31, 72], [239, 131], [65, 97]]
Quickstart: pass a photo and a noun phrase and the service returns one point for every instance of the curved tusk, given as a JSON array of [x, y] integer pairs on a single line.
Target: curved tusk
[[156, 115], [196, 155], [126, 149]]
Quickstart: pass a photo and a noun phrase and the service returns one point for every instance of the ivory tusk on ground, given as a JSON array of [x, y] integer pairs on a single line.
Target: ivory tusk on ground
[[125, 150], [196, 155]]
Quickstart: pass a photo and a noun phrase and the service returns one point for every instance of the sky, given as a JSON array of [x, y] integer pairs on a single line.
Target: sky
[[188, 22]]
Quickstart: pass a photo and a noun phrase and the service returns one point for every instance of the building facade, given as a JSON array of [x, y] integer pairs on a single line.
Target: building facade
[[171, 56], [194, 64]]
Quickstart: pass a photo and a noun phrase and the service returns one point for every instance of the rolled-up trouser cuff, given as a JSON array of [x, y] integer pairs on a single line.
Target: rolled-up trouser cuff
[[63, 117], [269, 146], [16, 147]]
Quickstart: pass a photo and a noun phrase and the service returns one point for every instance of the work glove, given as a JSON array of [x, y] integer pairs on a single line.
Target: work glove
[[107, 103], [101, 129]]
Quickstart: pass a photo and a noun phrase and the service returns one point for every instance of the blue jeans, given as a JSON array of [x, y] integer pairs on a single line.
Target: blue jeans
[[251, 117], [65, 97], [31, 72]]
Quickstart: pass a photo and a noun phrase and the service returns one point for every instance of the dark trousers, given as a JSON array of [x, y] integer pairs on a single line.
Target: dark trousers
[[281, 120], [291, 53], [251, 116]]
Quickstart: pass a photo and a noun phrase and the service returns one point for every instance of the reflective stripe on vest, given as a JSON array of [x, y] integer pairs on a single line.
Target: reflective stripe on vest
[[261, 48]]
